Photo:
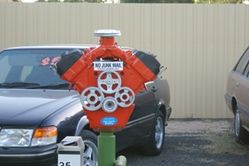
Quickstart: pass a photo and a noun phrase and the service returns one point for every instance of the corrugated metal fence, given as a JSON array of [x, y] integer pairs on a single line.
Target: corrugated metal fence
[[198, 43]]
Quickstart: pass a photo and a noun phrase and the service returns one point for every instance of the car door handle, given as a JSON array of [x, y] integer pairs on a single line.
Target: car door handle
[[237, 84]]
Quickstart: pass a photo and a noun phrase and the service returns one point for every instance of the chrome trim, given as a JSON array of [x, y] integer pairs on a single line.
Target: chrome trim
[[29, 155], [245, 127], [159, 132], [161, 102], [150, 85], [150, 116]]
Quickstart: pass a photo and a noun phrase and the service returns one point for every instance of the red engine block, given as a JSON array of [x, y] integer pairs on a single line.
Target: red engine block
[[134, 74]]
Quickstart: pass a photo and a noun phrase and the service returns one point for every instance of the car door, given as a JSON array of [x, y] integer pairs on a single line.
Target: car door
[[242, 87], [243, 96], [141, 121], [144, 112]]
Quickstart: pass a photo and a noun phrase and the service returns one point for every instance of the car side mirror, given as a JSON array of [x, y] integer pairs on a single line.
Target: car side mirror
[[151, 86]]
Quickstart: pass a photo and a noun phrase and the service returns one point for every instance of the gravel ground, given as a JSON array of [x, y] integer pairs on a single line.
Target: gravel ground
[[195, 143]]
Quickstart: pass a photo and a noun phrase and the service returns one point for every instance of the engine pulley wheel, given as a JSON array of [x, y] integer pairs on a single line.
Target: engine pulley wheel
[[109, 82], [125, 97], [92, 98], [109, 104]]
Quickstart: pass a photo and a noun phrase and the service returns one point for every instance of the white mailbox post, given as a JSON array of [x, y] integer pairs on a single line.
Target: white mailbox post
[[70, 152]]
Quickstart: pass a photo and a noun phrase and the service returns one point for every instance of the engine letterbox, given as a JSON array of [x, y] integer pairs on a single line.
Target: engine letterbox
[[107, 78]]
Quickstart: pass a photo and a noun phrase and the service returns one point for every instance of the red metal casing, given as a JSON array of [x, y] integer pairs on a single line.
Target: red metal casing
[[82, 75]]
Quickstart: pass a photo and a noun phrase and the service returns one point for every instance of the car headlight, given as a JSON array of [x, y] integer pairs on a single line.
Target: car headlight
[[15, 137], [44, 136]]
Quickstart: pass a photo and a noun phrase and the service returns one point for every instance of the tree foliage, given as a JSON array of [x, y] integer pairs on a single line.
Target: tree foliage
[[70, 1], [156, 1], [149, 1], [218, 1]]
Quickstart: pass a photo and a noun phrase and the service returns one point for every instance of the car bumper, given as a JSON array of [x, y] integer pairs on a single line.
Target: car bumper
[[28, 156], [228, 100]]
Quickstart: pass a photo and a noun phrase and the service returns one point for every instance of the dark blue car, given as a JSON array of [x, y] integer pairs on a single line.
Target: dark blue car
[[38, 109]]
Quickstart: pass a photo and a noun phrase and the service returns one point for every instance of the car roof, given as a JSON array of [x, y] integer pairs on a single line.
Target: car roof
[[63, 46], [67, 46]]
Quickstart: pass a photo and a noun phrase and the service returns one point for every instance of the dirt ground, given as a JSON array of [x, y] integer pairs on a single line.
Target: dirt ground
[[195, 143]]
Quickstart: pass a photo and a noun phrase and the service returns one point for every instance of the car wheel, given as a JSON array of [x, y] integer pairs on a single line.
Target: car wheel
[[90, 157], [241, 135], [155, 143]]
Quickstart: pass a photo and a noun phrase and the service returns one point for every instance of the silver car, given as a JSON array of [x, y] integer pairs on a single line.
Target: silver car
[[237, 97]]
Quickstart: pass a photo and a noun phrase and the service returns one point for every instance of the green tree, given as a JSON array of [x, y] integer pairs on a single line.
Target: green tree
[[218, 1], [156, 1], [70, 1]]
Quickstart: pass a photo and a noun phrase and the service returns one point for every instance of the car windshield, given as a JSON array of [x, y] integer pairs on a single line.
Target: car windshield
[[30, 68]]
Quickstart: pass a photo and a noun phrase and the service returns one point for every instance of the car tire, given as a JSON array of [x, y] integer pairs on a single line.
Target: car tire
[[155, 142], [241, 134], [91, 151]]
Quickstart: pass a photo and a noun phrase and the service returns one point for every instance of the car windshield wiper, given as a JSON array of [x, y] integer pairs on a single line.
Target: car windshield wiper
[[18, 84], [51, 86]]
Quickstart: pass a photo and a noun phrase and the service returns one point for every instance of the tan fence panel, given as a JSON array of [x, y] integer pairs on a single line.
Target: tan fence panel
[[198, 43]]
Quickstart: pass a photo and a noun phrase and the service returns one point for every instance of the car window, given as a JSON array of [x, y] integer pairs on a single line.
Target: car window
[[4, 65], [240, 67], [247, 70], [30, 65]]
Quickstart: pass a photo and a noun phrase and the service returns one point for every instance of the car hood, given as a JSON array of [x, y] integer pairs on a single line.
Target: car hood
[[29, 107]]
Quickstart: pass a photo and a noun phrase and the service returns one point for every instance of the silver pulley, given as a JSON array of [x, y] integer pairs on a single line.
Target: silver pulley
[[92, 98], [109, 104], [109, 82], [125, 97]]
